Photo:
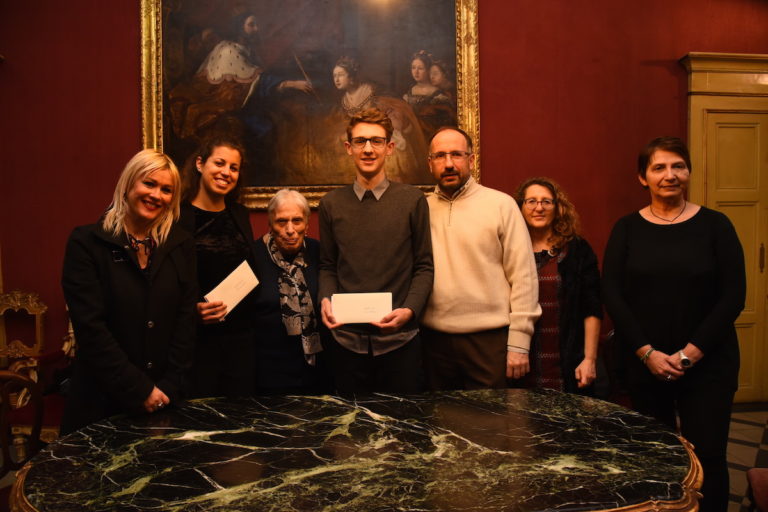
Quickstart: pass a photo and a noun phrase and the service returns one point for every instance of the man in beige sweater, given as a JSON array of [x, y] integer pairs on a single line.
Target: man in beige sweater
[[479, 319]]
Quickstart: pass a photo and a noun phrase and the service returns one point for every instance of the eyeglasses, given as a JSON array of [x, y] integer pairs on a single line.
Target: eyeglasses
[[455, 155], [546, 204], [360, 142]]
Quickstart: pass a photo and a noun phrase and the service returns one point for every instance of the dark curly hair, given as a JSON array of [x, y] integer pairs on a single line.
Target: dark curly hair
[[566, 224]]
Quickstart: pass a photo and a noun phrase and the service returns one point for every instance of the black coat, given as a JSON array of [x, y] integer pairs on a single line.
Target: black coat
[[134, 328], [281, 363], [579, 299]]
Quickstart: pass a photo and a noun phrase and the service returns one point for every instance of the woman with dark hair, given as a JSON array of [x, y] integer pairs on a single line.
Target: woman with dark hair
[[564, 344], [129, 282], [674, 283], [431, 105], [225, 358]]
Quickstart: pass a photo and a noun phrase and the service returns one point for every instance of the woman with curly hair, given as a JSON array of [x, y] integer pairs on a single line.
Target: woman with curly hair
[[564, 344]]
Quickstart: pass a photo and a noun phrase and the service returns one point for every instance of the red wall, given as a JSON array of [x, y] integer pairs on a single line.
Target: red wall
[[569, 89]]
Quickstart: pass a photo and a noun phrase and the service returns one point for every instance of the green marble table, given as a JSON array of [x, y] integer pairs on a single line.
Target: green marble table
[[490, 450]]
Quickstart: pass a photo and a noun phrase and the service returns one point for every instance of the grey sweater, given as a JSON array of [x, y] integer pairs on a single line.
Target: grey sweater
[[377, 246]]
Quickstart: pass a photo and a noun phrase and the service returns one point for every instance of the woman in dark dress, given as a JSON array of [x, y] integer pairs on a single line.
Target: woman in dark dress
[[564, 344], [129, 282], [674, 283], [225, 351], [290, 358]]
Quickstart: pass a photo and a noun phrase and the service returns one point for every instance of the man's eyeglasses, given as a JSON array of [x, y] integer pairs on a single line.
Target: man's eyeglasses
[[455, 155], [360, 142], [546, 204]]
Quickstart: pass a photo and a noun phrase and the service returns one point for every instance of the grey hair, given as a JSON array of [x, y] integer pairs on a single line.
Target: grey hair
[[285, 195]]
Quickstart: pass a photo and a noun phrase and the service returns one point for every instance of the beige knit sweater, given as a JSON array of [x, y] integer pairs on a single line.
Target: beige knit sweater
[[485, 274]]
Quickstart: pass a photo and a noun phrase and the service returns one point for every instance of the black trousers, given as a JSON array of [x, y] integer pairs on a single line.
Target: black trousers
[[476, 360], [398, 371], [704, 409], [225, 364]]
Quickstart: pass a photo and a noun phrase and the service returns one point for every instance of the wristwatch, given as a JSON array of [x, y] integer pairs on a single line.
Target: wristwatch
[[685, 361]]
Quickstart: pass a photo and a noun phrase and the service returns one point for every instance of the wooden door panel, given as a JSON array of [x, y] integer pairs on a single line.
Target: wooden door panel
[[736, 160]]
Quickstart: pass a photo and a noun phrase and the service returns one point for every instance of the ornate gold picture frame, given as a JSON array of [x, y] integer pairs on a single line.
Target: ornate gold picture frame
[[182, 40]]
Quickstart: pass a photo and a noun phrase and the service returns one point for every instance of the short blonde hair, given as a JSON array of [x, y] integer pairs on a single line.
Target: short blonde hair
[[142, 164]]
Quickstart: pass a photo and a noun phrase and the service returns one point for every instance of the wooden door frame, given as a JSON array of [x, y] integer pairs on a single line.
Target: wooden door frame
[[719, 82]]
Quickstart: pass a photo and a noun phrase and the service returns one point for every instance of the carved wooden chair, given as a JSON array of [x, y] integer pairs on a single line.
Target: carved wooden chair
[[29, 361], [18, 392]]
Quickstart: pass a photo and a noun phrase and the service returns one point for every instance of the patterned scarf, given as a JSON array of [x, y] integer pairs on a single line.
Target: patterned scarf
[[296, 306], [148, 243]]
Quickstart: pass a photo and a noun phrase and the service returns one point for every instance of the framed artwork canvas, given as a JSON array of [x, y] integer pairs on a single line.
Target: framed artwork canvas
[[285, 76]]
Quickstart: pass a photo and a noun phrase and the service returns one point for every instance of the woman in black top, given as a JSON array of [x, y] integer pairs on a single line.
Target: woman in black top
[[225, 352], [129, 282], [674, 283]]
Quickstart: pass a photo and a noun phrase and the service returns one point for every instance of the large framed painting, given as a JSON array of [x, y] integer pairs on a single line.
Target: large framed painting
[[285, 76]]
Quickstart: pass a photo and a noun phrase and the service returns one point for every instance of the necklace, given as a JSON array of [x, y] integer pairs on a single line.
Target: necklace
[[361, 91], [685, 203]]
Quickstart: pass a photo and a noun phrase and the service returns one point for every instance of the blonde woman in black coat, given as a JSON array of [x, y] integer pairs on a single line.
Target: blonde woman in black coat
[[129, 282]]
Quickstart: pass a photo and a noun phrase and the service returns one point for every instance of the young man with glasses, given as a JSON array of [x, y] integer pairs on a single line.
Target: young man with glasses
[[374, 237], [478, 322]]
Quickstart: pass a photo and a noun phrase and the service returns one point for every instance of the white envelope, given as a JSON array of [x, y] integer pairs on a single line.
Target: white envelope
[[234, 287], [360, 308]]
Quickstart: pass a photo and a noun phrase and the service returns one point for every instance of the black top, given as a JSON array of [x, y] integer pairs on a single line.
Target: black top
[[221, 247], [667, 285], [224, 357]]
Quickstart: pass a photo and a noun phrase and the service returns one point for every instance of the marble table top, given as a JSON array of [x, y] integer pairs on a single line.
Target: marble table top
[[489, 450]]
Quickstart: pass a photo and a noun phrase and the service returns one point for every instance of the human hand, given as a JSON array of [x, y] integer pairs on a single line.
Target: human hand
[[662, 366], [299, 85], [517, 365], [692, 352], [326, 311], [394, 320], [156, 400], [211, 312], [586, 373]]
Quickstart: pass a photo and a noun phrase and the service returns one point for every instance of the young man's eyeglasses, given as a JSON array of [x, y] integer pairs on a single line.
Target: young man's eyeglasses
[[455, 155], [360, 142], [546, 204]]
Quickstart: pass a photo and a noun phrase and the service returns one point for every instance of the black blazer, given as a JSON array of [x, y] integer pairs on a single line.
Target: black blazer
[[135, 329]]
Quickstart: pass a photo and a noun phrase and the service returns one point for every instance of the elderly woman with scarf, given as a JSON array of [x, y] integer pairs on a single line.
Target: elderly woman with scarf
[[289, 352]]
